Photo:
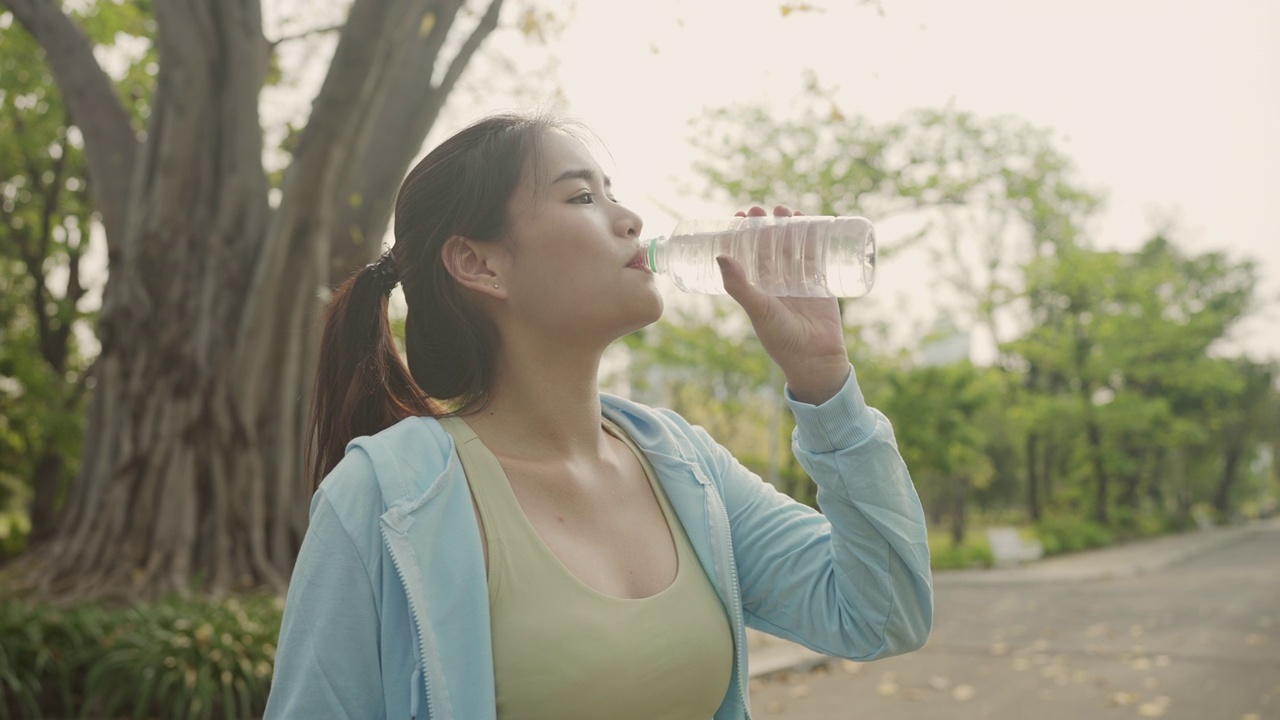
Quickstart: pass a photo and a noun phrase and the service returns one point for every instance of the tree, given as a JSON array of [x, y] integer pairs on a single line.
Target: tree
[[1122, 342], [191, 468], [940, 436], [1109, 393], [44, 238], [984, 195]]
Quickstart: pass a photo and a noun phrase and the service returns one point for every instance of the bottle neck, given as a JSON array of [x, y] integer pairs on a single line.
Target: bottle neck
[[655, 256]]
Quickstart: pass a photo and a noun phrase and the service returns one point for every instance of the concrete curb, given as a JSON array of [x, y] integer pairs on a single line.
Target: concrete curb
[[771, 656], [1112, 563]]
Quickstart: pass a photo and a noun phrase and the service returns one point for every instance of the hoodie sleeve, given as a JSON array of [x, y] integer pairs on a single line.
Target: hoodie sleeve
[[327, 659], [852, 581]]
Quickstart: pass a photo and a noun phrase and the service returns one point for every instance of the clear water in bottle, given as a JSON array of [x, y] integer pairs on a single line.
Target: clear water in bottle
[[798, 256]]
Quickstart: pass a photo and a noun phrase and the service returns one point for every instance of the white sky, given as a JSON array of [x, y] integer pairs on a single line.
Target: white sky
[[1171, 107]]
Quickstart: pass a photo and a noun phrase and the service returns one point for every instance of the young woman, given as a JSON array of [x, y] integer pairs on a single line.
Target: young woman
[[496, 538]]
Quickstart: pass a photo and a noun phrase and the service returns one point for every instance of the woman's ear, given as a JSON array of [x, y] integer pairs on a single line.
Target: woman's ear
[[474, 265]]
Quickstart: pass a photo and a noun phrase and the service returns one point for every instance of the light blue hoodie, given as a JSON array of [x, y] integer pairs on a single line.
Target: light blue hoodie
[[387, 614]]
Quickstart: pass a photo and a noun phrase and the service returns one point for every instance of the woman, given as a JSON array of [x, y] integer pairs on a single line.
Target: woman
[[493, 537]]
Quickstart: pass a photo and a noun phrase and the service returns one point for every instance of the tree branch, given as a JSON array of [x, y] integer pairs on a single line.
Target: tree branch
[[408, 109], [303, 35], [90, 95], [487, 25]]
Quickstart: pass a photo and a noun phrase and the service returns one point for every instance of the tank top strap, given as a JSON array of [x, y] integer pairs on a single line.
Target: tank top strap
[[486, 479]]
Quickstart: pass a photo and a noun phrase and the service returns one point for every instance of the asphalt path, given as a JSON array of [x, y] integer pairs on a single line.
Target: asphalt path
[[1198, 640]]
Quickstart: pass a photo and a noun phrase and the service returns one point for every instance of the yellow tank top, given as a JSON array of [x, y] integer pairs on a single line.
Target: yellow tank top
[[565, 651]]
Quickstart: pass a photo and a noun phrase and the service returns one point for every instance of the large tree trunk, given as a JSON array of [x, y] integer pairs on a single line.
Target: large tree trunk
[[47, 482], [1227, 481], [959, 509], [1102, 495], [192, 469]]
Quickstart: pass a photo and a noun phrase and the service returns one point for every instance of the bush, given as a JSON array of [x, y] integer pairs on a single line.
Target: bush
[[1068, 533], [974, 552], [1130, 523], [178, 658], [962, 557]]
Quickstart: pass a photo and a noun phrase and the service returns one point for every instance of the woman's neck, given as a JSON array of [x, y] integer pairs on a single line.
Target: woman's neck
[[543, 406]]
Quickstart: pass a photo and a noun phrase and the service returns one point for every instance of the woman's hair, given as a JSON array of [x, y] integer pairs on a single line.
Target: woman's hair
[[362, 386]]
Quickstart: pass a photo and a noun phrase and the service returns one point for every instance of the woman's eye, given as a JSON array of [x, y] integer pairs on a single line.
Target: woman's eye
[[583, 199]]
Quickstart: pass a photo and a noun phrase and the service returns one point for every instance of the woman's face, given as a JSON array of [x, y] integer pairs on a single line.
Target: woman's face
[[571, 269]]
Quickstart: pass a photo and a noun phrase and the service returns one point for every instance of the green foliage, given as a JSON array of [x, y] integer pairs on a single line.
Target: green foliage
[[1120, 355], [939, 434], [709, 371], [1111, 395], [46, 281], [945, 554], [44, 233], [1062, 533], [178, 658]]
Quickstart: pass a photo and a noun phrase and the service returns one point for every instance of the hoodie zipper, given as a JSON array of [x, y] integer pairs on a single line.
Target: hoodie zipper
[[735, 603], [419, 679]]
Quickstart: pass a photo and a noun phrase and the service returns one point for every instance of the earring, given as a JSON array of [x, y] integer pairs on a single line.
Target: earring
[[495, 286]]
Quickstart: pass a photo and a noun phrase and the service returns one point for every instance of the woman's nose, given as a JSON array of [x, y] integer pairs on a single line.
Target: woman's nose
[[628, 223]]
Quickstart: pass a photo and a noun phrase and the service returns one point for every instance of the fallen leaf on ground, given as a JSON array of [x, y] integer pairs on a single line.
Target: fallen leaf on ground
[[851, 667], [1155, 708], [1256, 639], [888, 684], [1122, 697], [962, 693], [939, 683], [799, 691]]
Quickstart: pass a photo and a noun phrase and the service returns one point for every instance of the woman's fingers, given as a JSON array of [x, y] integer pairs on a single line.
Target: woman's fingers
[[752, 300]]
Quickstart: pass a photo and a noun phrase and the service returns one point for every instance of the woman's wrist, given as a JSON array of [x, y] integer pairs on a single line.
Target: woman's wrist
[[817, 381]]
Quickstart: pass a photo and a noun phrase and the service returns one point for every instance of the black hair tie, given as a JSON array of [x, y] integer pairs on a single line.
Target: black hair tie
[[384, 273]]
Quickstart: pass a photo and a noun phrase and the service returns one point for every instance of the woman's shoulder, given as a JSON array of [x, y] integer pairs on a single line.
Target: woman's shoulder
[[658, 429], [399, 461]]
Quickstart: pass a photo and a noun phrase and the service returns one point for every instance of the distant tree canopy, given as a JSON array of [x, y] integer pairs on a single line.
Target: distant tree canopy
[[1109, 398]]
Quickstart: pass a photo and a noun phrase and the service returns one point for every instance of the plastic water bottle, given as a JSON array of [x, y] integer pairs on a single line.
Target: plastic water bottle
[[798, 256]]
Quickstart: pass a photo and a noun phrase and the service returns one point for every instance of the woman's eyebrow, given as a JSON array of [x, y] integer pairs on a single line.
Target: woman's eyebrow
[[584, 174]]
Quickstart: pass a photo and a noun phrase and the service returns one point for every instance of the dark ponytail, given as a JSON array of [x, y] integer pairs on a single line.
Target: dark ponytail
[[362, 385]]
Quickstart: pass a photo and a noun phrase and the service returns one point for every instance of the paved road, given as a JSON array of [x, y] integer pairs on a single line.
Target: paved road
[[1199, 640]]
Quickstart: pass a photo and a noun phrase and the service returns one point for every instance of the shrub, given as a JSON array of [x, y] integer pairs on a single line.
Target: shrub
[[177, 658], [944, 554], [962, 557], [1068, 533]]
